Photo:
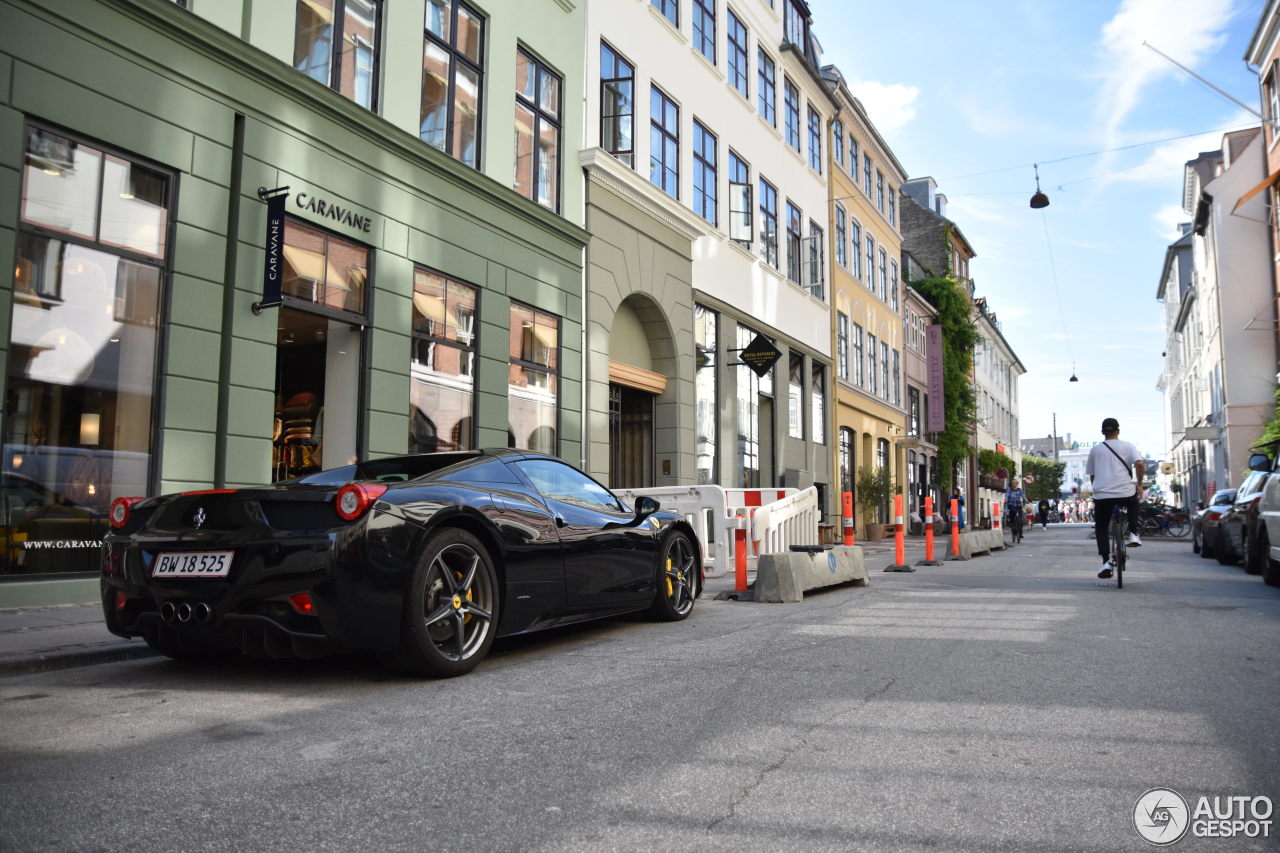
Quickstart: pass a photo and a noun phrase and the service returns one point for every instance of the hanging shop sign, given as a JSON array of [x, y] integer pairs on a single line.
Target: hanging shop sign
[[937, 407], [760, 355], [273, 261]]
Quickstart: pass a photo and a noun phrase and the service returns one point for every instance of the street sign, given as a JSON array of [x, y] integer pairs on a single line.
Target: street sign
[[760, 355], [1029, 479]]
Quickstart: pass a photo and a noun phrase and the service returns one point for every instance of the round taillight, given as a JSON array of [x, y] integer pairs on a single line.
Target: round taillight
[[120, 509], [354, 499]]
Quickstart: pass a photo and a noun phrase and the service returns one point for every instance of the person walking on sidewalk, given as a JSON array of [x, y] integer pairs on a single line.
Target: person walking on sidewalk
[[1111, 467]]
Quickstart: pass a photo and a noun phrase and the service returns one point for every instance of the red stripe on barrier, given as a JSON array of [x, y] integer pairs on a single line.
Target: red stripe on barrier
[[751, 497]]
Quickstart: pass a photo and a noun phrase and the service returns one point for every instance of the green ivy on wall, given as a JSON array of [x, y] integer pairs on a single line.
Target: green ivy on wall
[[960, 402]]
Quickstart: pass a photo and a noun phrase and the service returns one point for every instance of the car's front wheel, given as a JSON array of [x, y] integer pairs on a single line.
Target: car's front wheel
[[1254, 553], [677, 579], [451, 608]]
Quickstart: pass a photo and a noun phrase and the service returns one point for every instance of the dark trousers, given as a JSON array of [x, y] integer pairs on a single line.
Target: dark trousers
[[1102, 510]]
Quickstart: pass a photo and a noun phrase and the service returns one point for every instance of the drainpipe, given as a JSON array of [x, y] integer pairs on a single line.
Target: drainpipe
[[228, 305]]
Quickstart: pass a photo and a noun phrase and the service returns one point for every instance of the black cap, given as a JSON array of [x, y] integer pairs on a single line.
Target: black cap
[[1110, 425]]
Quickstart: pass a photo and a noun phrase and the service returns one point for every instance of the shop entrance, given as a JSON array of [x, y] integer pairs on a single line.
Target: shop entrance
[[630, 437], [317, 394]]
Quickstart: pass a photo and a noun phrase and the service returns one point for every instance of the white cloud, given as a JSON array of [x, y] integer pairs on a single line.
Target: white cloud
[[890, 105], [1186, 30], [1167, 220]]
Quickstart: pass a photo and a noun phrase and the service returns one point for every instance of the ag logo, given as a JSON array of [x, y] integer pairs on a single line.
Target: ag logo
[[1161, 816]]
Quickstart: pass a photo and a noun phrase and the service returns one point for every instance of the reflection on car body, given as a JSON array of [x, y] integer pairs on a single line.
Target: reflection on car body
[[426, 558]]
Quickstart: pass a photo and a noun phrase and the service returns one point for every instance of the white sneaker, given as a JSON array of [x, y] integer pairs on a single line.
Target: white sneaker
[[1106, 570], [1133, 541]]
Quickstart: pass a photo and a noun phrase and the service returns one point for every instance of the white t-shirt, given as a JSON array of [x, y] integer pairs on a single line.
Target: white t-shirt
[[1110, 478]]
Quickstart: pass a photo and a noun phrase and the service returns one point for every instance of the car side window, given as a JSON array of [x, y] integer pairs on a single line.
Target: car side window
[[560, 482]]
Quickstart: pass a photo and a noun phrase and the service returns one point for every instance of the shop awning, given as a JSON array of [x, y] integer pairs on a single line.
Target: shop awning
[[1262, 185]]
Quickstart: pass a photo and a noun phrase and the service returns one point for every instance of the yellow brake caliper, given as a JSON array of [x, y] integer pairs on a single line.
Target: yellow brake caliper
[[671, 590], [457, 600]]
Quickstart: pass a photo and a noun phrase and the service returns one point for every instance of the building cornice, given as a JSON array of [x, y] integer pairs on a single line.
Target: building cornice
[[606, 171], [1264, 35]]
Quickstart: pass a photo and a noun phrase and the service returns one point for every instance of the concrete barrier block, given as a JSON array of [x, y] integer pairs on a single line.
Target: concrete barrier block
[[786, 577]]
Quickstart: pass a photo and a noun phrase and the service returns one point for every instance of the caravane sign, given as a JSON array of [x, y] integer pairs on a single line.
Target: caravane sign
[[325, 209]]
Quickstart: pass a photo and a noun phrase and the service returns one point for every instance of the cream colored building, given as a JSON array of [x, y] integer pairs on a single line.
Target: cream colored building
[[867, 326]]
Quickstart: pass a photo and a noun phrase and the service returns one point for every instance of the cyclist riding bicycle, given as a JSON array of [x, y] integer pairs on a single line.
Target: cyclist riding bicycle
[[1014, 504], [1109, 470]]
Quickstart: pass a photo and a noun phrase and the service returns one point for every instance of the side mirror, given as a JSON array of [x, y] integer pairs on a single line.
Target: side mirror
[[645, 507], [1259, 462]]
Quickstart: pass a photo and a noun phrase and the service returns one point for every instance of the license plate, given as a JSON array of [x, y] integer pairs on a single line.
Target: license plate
[[193, 564]]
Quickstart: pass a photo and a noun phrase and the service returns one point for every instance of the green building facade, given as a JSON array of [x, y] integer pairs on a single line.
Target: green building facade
[[431, 272]]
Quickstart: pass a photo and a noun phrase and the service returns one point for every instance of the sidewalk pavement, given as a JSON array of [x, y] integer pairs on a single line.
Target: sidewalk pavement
[[38, 636]]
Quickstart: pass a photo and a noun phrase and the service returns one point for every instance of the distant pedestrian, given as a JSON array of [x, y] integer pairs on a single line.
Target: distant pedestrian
[[959, 499], [1042, 513]]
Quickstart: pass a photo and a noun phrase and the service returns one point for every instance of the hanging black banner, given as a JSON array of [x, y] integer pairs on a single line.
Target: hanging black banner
[[760, 355], [273, 263]]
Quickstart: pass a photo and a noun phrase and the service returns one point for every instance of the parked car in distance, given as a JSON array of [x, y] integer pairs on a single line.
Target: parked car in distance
[[424, 558], [1205, 523], [1269, 510], [1241, 527]]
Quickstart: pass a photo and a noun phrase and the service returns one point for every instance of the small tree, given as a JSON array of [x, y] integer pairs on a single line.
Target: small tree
[[874, 490]]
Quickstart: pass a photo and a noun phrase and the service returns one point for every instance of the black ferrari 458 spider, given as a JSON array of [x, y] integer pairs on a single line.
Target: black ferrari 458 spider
[[426, 558]]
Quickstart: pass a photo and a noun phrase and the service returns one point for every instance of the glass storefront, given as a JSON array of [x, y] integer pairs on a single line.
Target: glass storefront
[[704, 335], [318, 349], [442, 367], [532, 384], [88, 273]]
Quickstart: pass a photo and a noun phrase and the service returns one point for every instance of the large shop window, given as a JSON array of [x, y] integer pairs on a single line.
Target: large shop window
[[452, 80], [755, 420], [533, 380], [318, 347], [353, 26], [442, 393], [706, 393], [89, 267]]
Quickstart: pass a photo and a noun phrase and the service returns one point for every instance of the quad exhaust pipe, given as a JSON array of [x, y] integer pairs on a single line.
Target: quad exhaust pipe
[[185, 611]]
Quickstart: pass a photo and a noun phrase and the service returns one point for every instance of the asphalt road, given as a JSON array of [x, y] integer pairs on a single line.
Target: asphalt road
[[1009, 703]]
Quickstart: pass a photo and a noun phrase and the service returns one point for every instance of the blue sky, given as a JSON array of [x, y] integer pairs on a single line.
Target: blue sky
[[974, 93]]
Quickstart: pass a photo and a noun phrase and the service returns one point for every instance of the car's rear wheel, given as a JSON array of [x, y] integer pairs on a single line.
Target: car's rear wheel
[[677, 579], [1222, 549], [1270, 567], [1195, 541], [451, 608], [1206, 544], [1254, 551]]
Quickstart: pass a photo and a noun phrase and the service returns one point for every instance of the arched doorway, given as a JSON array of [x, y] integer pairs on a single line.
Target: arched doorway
[[634, 389]]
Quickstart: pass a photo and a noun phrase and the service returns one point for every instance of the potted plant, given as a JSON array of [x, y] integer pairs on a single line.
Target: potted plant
[[874, 489]]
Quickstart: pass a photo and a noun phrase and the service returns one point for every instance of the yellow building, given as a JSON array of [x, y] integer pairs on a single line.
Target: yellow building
[[867, 333]]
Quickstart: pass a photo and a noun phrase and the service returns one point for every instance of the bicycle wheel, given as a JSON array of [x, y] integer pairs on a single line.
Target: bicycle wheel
[[1178, 527], [1119, 551], [1152, 527]]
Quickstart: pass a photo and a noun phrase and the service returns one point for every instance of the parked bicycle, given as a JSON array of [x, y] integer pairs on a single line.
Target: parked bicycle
[[1175, 524]]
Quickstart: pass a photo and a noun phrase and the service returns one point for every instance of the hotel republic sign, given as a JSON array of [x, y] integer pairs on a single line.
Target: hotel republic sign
[[937, 406]]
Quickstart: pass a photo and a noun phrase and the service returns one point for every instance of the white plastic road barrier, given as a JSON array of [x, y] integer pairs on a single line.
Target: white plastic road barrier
[[712, 512], [793, 520]]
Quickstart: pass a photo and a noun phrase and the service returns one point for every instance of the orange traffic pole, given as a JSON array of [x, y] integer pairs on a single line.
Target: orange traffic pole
[[899, 546], [740, 555], [955, 528], [928, 530], [846, 500], [995, 515]]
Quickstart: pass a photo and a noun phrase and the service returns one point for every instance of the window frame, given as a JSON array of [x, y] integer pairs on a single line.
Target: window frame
[[768, 207], [540, 116], [456, 56], [740, 183], [791, 112], [842, 237], [668, 9], [737, 59], [701, 169], [660, 128], [795, 242], [703, 11], [472, 346], [815, 140], [766, 87], [338, 37], [627, 155]]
